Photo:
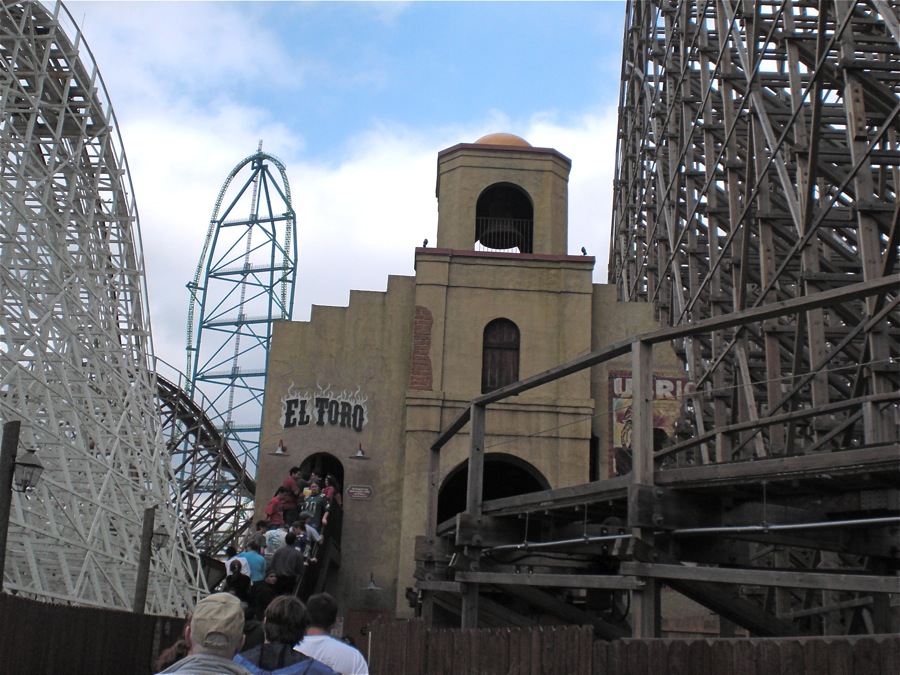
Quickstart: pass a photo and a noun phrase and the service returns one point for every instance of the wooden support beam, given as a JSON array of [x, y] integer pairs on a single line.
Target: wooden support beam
[[863, 583], [486, 531], [568, 613], [609, 581], [782, 468], [725, 600], [646, 621], [668, 509]]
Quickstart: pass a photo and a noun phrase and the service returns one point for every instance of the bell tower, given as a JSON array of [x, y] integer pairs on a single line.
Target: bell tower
[[501, 194]]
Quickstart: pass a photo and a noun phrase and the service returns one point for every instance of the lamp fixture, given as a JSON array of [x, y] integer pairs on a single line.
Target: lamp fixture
[[27, 472], [160, 538], [371, 586], [360, 454]]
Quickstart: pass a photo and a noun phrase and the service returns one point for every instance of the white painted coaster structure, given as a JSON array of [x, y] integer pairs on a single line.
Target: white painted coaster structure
[[75, 345]]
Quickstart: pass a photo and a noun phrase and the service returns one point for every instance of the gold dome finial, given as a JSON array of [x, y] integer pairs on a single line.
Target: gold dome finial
[[503, 139]]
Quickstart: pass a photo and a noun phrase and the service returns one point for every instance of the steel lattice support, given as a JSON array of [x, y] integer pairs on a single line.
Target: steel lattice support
[[215, 488], [244, 281], [75, 343]]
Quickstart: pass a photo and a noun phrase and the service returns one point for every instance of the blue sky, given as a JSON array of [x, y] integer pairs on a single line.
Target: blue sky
[[357, 98]]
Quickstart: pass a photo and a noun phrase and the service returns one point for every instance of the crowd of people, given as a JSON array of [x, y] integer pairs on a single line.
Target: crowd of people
[[280, 551], [278, 633], [295, 640]]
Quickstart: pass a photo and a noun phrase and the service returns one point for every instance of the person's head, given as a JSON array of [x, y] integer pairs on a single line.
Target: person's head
[[294, 472], [290, 539], [297, 527], [285, 620], [262, 525], [314, 487], [254, 546], [217, 626], [281, 492], [331, 481], [313, 476], [322, 610], [235, 567], [304, 517], [271, 578]]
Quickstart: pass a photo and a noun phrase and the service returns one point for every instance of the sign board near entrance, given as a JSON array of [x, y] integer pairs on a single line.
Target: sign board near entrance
[[359, 492]]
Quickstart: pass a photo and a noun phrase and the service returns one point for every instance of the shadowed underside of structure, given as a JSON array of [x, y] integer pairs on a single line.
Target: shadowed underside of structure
[[756, 210]]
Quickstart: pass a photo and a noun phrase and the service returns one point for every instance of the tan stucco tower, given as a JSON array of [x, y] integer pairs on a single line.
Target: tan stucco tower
[[363, 391], [501, 257]]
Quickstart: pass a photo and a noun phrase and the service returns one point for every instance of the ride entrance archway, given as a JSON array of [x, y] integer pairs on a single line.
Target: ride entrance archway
[[504, 476]]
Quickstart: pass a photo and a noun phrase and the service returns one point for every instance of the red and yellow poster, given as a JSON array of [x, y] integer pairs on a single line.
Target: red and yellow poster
[[669, 392]]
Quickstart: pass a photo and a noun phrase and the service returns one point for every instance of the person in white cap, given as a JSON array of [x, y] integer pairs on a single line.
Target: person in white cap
[[214, 635]]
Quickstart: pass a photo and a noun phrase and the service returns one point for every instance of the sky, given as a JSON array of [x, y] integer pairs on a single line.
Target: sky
[[356, 99]]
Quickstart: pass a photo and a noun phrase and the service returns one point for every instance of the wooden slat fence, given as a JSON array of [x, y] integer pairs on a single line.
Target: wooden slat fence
[[40, 638], [406, 647]]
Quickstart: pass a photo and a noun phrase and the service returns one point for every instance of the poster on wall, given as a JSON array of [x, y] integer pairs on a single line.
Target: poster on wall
[[669, 392]]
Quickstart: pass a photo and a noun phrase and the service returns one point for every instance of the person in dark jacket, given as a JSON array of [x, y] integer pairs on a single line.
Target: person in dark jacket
[[284, 625]]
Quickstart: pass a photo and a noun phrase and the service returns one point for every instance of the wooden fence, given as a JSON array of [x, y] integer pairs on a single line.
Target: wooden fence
[[39, 638], [407, 647]]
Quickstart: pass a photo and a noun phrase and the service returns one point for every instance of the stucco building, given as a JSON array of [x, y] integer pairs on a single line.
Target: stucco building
[[361, 392]]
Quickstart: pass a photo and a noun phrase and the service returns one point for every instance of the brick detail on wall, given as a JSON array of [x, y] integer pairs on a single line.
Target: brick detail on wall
[[420, 377]]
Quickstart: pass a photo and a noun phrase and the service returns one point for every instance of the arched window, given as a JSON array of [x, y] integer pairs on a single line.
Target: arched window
[[499, 355]]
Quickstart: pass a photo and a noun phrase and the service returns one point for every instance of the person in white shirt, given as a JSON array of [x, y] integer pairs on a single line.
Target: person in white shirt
[[319, 644]]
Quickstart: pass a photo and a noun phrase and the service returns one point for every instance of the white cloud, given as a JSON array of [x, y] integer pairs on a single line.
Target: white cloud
[[181, 95], [358, 220]]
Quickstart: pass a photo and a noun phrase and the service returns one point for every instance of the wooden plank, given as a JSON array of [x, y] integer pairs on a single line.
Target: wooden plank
[[668, 509], [780, 468], [840, 658], [552, 580], [519, 651], [616, 656], [636, 657], [815, 657], [534, 665], [721, 656], [444, 586], [567, 612], [486, 531], [699, 657], [866, 656], [585, 650], [430, 549], [744, 654], [888, 649], [678, 656], [475, 482], [658, 657], [599, 658], [815, 580], [791, 657], [574, 495]]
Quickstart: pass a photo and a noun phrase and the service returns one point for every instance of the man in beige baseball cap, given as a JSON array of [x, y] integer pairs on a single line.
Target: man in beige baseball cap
[[214, 635]]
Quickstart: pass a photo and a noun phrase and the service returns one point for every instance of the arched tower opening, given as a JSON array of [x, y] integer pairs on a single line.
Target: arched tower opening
[[504, 219], [504, 476]]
